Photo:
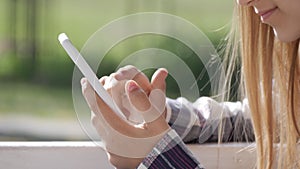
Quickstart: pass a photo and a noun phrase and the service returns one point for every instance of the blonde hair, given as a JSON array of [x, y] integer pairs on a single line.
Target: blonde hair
[[270, 80]]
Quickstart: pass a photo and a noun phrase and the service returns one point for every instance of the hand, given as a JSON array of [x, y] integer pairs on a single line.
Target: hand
[[116, 133], [130, 72]]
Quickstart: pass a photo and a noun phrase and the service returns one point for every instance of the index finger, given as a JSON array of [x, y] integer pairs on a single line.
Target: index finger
[[130, 72], [102, 110]]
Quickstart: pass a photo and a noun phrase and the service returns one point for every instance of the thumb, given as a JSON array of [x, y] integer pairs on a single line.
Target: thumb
[[137, 96], [140, 104], [158, 79]]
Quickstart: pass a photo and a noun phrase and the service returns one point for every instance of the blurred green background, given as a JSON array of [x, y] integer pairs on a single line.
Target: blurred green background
[[36, 74]]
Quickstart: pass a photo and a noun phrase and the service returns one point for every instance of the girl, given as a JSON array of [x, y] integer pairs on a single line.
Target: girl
[[266, 39]]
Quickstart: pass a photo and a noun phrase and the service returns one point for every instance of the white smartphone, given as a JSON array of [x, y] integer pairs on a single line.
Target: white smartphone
[[88, 73]]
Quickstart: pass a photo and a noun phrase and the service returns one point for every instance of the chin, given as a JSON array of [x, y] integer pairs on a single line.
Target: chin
[[285, 36]]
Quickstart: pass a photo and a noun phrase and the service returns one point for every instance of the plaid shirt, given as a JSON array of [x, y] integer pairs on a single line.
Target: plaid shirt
[[198, 122]]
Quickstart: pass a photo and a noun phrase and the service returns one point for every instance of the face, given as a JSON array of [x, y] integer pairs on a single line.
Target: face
[[282, 15]]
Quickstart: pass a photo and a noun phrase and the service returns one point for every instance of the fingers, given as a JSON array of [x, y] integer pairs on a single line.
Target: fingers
[[158, 79], [132, 73], [127, 73], [157, 96], [140, 103], [137, 96], [89, 95], [102, 80], [101, 110], [114, 132]]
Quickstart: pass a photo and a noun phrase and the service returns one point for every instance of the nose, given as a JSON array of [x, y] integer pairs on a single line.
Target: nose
[[245, 2]]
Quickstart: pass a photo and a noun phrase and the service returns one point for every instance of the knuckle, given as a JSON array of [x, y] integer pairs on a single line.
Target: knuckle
[[129, 69], [113, 76]]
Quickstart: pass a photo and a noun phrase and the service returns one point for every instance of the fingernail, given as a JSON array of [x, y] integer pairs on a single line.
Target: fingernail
[[132, 86], [165, 71], [83, 81]]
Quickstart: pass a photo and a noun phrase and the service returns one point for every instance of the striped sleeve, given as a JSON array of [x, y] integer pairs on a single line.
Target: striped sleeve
[[199, 122], [171, 153]]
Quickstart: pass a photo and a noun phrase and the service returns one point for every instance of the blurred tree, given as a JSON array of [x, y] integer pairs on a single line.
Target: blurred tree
[[23, 17], [31, 36], [12, 18]]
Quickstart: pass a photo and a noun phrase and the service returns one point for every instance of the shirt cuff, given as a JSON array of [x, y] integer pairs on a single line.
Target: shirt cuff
[[168, 114], [170, 152]]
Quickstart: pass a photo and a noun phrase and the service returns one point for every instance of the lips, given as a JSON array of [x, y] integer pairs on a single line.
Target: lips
[[266, 13]]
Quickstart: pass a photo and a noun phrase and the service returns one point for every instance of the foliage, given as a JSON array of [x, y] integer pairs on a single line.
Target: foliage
[[30, 55]]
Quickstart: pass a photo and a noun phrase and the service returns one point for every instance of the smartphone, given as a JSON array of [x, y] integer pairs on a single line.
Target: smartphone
[[88, 73]]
